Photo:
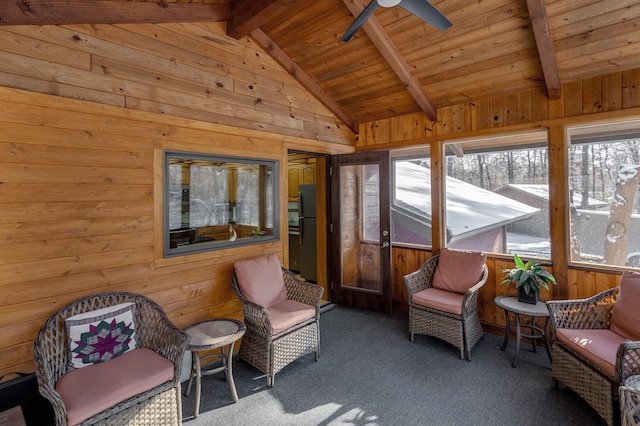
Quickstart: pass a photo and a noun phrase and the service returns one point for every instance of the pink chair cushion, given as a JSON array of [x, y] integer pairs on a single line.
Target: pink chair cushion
[[598, 346], [441, 300], [261, 280], [288, 313], [88, 391], [626, 311], [458, 270]]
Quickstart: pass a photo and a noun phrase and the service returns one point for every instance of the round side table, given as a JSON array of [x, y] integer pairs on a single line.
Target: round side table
[[511, 305], [218, 333]]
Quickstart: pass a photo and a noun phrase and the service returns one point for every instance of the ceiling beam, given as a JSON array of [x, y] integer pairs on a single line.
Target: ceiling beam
[[248, 15], [395, 60], [546, 51], [281, 57], [63, 12]]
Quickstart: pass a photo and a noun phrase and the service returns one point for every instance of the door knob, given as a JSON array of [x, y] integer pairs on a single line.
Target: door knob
[[384, 245]]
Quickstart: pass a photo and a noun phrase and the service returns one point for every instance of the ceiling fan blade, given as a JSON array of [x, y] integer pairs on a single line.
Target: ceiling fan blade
[[427, 12], [360, 20]]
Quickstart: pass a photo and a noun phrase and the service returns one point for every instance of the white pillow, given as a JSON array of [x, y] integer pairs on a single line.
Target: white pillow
[[100, 335]]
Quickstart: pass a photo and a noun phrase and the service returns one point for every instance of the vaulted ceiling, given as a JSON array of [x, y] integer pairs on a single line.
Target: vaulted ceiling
[[396, 63]]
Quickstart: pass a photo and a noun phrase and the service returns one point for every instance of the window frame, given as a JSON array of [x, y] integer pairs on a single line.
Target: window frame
[[211, 246], [536, 139], [419, 153], [590, 133]]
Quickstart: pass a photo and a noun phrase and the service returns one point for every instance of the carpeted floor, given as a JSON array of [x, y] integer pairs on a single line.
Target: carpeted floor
[[369, 373]]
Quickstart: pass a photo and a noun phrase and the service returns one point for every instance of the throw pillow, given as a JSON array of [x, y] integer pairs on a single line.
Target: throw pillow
[[100, 335], [458, 270], [626, 315], [261, 280]]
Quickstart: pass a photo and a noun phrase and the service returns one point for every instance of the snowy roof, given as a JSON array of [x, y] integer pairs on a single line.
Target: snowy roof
[[469, 208], [542, 192]]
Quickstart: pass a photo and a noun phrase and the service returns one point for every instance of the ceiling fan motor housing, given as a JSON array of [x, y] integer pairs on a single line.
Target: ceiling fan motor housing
[[388, 3]]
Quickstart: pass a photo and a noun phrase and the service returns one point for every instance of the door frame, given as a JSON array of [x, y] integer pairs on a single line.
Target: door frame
[[356, 297]]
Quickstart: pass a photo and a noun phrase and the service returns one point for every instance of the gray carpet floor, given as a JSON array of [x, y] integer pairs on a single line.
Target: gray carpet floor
[[370, 373]]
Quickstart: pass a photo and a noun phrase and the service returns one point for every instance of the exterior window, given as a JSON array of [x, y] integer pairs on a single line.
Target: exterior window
[[604, 173], [411, 197], [497, 195], [217, 202]]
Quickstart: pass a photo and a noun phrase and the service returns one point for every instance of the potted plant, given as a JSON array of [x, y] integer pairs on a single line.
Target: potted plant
[[528, 277]]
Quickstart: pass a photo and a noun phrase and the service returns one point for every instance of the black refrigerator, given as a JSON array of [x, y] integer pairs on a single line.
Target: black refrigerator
[[307, 227]]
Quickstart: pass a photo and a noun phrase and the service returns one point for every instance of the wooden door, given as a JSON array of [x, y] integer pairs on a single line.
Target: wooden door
[[360, 222]]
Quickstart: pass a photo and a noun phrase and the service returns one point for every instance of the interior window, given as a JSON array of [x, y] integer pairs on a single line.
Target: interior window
[[604, 174], [215, 202], [497, 195]]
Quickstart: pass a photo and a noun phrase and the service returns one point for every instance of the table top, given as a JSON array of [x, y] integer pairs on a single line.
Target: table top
[[510, 303], [214, 333]]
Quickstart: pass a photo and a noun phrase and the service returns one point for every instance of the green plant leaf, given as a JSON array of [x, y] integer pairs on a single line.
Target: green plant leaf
[[518, 261]]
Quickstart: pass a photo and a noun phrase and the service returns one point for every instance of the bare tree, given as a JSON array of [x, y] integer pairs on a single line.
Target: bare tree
[[621, 207]]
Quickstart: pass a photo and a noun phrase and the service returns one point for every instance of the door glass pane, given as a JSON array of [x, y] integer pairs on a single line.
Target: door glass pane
[[360, 227]]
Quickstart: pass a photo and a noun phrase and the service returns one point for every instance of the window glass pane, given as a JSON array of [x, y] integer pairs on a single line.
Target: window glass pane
[[411, 200], [215, 202], [208, 196], [175, 197], [248, 195], [497, 195], [604, 174]]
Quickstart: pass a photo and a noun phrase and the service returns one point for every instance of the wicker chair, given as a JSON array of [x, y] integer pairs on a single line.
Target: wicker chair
[[159, 405], [462, 330], [599, 388], [264, 345], [630, 405]]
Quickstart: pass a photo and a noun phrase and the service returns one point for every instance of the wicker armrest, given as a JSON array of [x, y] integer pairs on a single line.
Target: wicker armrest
[[422, 278], [470, 300], [156, 332], [257, 317], [592, 313], [302, 291], [627, 361], [50, 360]]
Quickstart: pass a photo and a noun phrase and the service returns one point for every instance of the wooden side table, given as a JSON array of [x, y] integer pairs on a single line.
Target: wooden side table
[[511, 305], [218, 333]]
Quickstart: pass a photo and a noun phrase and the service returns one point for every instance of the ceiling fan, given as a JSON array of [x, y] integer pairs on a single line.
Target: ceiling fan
[[421, 8]]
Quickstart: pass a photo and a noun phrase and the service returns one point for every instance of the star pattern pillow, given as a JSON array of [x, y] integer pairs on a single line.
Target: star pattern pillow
[[100, 335]]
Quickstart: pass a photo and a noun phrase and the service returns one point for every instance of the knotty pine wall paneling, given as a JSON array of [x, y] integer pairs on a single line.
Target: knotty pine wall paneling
[[185, 70], [81, 145], [81, 203]]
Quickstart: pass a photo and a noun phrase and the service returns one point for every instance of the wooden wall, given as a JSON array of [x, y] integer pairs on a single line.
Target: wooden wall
[[584, 99], [81, 203], [610, 97], [183, 70], [80, 175]]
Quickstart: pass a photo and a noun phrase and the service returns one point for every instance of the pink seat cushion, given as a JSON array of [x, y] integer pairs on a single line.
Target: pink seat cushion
[[598, 346], [88, 391], [288, 313], [458, 270], [441, 300], [261, 280], [626, 314]]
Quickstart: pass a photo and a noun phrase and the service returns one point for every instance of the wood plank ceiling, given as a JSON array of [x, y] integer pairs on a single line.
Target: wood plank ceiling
[[397, 64]]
